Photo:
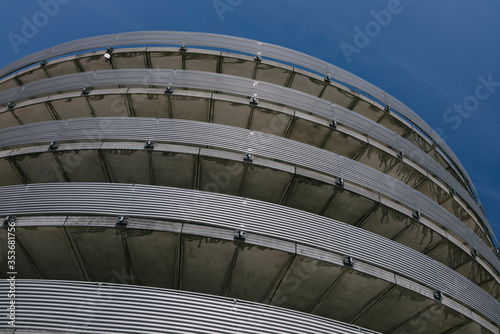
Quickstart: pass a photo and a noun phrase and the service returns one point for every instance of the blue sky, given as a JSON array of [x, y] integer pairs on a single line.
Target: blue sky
[[429, 54]]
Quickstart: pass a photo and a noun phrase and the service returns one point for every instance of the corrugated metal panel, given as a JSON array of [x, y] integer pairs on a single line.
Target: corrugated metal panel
[[242, 45], [110, 308], [242, 86], [254, 217], [243, 140]]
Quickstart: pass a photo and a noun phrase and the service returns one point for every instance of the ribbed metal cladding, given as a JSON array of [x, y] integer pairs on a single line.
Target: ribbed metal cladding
[[232, 212], [246, 87], [242, 45], [253, 247], [243, 140], [111, 308]]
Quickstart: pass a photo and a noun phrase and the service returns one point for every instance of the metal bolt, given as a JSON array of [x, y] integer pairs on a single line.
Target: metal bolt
[[150, 144], [239, 234], [122, 220], [339, 181], [348, 261], [248, 157]]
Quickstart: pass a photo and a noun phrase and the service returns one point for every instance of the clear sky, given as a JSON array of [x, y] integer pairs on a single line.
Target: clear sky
[[431, 55]]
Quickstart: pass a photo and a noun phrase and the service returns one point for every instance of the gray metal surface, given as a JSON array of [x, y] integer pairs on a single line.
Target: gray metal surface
[[245, 141], [242, 45], [241, 86], [252, 216], [85, 307]]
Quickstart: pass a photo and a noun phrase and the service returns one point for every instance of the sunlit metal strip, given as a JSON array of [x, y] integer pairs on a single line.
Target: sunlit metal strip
[[252, 216], [247, 87], [111, 308], [242, 45], [245, 141]]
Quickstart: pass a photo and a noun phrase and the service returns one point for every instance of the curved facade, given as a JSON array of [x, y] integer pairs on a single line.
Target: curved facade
[[173, 188]]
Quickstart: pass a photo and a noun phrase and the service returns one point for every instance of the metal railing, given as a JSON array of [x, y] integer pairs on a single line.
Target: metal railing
[[252, 216], [247, 87]]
